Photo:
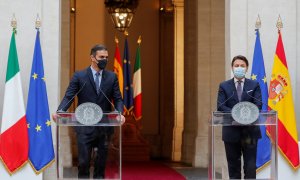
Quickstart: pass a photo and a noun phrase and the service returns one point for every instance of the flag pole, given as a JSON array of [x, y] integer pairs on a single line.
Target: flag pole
[[279, 23], [13, 23], [126, 33], [13, 135], [282, 103], [139, 41], [116, 39], [263, 157], [38, 22], [258, 22]]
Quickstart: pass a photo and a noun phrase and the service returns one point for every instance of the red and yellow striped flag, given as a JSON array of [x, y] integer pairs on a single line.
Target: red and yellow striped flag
[[281, 100], [118, 66]]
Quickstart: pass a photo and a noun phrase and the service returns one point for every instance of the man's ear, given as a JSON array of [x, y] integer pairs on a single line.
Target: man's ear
[[92, 57]]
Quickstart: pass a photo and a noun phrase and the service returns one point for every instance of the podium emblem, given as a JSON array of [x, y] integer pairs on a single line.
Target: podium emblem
[[88, 113], [245, 112]]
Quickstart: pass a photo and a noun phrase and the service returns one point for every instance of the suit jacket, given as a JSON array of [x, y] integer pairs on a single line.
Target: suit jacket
[[83, 82], [227, 98]]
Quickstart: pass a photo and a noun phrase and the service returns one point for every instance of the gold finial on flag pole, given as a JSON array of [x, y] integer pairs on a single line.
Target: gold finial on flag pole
[[126, 33], [279, 23], [258, 22], [116, 39], [13, 22], [139, 41], [37, 22]]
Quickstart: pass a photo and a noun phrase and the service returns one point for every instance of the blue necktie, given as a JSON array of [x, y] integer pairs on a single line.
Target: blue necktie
[[97, 82], [239, 90]]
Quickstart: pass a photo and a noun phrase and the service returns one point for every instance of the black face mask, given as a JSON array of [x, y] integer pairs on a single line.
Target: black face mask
[[101, 63]]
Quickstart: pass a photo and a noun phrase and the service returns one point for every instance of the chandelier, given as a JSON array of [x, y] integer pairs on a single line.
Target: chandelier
[[121, 12]]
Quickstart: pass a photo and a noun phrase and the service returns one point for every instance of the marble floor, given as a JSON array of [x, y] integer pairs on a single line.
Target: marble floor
[[189, 172]]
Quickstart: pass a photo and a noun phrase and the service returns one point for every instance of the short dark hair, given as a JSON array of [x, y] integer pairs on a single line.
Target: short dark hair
[[98, 47], [240, 57]]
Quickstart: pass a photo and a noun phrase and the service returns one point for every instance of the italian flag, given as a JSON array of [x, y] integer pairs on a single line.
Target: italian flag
[[137, 85], [14, 135]]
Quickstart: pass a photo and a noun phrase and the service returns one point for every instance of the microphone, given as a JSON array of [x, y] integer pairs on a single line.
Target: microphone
[[249, 91], [62, 109], [220, 104], [263, 103], [108, 100], [272, 111]]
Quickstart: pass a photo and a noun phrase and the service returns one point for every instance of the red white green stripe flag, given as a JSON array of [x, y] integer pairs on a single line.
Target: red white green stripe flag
[[14, 135], [137, 84]]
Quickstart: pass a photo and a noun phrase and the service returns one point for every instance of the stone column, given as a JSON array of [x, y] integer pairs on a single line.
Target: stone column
[[204, 70], [178, 78], [190, 81]]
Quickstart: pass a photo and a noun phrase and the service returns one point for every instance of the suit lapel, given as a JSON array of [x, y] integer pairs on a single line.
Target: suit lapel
[[91, 77]]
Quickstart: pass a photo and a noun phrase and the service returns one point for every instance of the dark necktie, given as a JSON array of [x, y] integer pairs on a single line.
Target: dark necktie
[[97, 82], [239, 90]]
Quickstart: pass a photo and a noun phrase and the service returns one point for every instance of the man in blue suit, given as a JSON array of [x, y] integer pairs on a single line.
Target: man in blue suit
[[97, 85], [240, 140]]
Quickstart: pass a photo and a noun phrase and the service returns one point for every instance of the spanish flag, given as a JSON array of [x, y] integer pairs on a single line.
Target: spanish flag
[[281, 100], [118, 66]]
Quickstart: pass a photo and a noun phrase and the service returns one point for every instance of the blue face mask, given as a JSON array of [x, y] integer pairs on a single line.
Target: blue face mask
[[239, 72]]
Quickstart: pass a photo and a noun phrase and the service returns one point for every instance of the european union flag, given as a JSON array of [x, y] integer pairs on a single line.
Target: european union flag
[[259, 74], [128, 91], [41, 152]]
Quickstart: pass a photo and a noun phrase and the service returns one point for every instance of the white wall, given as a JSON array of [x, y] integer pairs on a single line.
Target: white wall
[[25, 13], [241, 16], [240, 20]]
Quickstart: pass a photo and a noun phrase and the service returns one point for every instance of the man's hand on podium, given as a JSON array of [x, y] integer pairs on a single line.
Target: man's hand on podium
[[123, 119], [54, 117]]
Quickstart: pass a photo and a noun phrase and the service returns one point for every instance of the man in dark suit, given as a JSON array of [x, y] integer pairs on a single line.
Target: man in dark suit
[[240, 140], [92, 85]]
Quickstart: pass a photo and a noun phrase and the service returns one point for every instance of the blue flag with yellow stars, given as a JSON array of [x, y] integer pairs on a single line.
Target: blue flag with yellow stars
[[41, 152], [128, 91], [259, 74]]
